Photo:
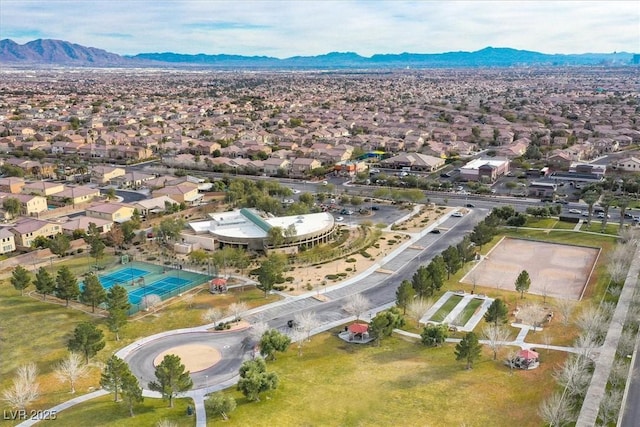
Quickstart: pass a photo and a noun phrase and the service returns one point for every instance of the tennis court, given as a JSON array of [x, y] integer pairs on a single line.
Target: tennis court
[[142, 279], [160, 287], [123, 276]]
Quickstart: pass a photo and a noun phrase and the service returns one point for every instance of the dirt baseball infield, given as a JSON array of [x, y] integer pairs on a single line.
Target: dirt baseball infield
[[556, 270], [195, 357]]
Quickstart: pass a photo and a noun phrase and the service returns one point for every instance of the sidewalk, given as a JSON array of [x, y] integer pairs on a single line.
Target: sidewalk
[[597, 386]]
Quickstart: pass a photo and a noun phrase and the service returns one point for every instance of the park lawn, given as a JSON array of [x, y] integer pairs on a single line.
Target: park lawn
[[468, 311], [36, 331], [103, 412], [446, 308], [399, 383], [564, 225], [541, 222], [596, 227], [48, 326]]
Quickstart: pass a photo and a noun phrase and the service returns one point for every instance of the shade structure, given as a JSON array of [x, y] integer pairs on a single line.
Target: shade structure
[[527, 354], [358, 328]]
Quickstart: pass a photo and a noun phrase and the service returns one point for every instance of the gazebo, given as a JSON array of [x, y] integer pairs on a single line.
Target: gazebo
[[526, 359], [356, 333], [218, 285]]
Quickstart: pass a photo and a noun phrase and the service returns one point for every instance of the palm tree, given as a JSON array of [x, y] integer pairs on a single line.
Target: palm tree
[[623, 202], [590, 198]]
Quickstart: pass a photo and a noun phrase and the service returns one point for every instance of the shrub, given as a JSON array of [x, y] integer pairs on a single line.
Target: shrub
[[392, 242], [349, 269], [351, 260], [291, 289], [342, 274], [289, 279], [152, 258], [365, 254], [331, 276], [309, 287]]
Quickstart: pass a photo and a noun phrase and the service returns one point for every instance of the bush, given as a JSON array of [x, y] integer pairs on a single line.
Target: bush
[[365, 254], [349, 269], [331, 276], [152, 258], [341, 274], [291, 289], [289, 279], [350, 260], [392, 242], [309, 287]]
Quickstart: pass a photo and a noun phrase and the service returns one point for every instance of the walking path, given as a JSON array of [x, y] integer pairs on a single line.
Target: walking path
[[199, 395], [597, 386]]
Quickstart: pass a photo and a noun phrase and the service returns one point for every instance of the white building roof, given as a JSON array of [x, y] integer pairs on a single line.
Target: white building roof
[[247, 224], [476, 163]]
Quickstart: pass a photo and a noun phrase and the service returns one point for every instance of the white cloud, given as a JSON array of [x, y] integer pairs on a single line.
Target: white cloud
[[287, 28]]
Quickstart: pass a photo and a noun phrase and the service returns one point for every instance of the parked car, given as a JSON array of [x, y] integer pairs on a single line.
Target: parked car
[[457, 214], [435, 231], [375, 208], [601, 215], [574, 211], [562, 202], [470, 205], [584, 213], [339, 219]]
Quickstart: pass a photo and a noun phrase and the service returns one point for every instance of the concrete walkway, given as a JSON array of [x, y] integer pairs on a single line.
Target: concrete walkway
[[199, 395], [597, 387]]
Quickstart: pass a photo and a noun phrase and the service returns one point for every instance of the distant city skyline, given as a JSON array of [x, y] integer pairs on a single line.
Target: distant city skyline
[[284, 29]]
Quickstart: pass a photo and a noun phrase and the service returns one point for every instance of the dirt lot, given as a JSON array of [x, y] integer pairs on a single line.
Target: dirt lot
[[555, 270]]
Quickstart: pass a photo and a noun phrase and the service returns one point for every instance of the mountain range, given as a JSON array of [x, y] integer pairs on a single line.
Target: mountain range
[[62, 53]]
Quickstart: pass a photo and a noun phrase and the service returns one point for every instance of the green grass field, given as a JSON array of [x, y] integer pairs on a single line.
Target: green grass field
[[469, 310], [541, 222], [446, 308], [104, 412], [400, 383]]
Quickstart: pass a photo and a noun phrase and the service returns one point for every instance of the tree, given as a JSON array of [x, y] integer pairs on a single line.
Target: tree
[[497, 336], [420, 282], [150, 301], [590, 198], [270, 272], [93, 293], [452, 261], [87, 339], [71, 370], [25, 388], [66, 285], [623, 203], [565, 307], [171, 378], [556, 411], [60, 245], [115, 237], [275, 236], [306, 321], [418, 307], [212, 315], [272, 341], [113, 374], [434, 335], [482, 234], [404, 295], [466, 250], [383, 324], [497, 312], [523, 282], [468, 349], [254, 379], [118, 306], [131, 391], [235, 309], [12, 206], [97, 249], [574, 375], [20, 279], [356, 304], [45, 284], [436, 271], [220, 404]]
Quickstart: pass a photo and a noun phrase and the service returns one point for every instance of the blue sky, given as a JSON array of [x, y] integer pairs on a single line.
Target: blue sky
[[311, 27]]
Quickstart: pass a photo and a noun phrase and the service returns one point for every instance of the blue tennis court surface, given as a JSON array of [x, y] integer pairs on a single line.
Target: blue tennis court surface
[[125, 275], [142, 279], [160, 287]]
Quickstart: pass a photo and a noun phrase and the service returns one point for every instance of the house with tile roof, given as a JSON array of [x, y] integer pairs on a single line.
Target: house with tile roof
[[26, 230]]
